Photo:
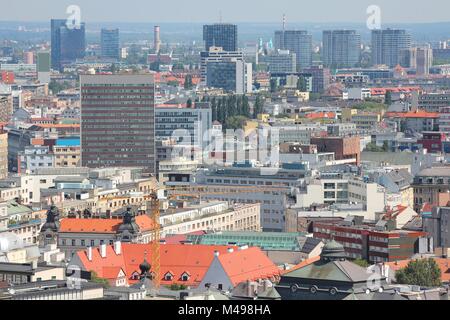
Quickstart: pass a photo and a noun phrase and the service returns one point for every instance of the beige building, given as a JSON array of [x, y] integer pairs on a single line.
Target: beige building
[[67, 156], [213, 216], [3, 155]]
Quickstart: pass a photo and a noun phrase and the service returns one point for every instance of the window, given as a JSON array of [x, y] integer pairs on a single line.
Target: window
[[168, 276]]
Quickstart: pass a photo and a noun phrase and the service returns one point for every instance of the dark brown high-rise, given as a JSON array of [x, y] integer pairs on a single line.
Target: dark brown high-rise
[[118, 121]]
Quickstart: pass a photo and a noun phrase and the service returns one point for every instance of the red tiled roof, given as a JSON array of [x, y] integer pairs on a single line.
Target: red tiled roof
[[412, 114], [382, 91], [179, 259], [321, 115], [248, 264], [71, 225]]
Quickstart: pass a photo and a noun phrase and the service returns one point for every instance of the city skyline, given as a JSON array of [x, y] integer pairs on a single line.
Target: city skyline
[[353, 11]]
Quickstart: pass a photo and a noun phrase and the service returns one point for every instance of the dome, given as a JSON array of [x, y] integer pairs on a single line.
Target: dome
[[333, 250], [145, 267]]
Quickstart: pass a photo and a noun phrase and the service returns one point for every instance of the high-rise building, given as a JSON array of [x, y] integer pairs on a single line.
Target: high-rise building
[[227, 74], [387, 46], [43, 66], [157, 39], [6, 108], [118, 121], [110, 43], [424, 60], [282, 61], [298, 42], [68, 44], [341, 48], [216, 54], [222, 35]]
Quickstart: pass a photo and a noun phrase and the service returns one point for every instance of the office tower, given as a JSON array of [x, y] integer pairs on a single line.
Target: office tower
[[227, 74], [118, 121], [424, 60], [43, 66], [216, 54], [282, 61], [157, 39], [68, 44], [110, 43], [341, 48], [298, 42], [221, 35], [387, 45], [408, 58]]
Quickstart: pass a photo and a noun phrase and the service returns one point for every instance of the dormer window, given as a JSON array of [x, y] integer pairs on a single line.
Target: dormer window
[[135, 276], [168, 276], [185, 276]]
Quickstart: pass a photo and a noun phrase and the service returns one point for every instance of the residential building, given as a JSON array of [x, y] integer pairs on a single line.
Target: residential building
[[3, 155], [424, 61], [434, 101], [437, 224], [343, 147], [43, 66], [431, 186], [415, 121], [375, 242], [67, 153], [118, 121], [214, 215], [6, 108], [320, 78]]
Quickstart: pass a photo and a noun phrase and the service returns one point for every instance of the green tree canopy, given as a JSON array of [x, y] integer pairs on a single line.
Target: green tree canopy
[[424, 272], [236, 122]]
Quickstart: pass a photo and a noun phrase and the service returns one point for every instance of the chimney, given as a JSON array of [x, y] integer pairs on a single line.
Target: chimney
[[89, 253], [230, 250], [118, 247], [103, 250], [216, 253]]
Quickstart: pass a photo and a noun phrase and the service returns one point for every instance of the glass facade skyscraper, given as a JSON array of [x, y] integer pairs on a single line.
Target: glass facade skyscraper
[[68, 45], [221, 35], [341, 48], [387, 46], [110, 43], [298, 42]]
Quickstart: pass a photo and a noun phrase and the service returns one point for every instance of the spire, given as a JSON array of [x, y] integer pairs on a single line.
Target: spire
[[284, 22]]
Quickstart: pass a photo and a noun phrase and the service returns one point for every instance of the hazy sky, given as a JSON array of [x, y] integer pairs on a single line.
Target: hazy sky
[[231, 10]]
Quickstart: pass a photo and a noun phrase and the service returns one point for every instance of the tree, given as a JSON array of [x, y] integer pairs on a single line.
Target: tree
[[424, 273], [388, 98], [189, 103], [188, 82], [95, 278], [361, 262], [301, 84], [236, 122], [273, 85]]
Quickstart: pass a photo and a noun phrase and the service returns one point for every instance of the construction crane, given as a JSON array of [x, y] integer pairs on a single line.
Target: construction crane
[[187, 192]]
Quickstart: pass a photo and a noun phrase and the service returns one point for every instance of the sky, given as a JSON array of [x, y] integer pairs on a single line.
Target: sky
[[320, 11]]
